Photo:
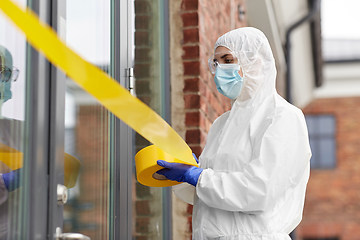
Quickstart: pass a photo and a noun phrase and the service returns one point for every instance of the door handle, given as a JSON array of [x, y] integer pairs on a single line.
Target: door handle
[[70, 236], [62, 194]]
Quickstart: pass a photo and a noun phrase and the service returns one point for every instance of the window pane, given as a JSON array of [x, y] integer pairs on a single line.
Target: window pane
[[322, 140], [12, 129], [311, 124], [149, 74], [87, 24], [327, 153], [326, 125]]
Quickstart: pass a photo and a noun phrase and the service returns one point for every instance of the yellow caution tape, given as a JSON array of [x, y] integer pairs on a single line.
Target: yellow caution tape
[[146, 166], [11, 157], [14, 160], [106, 90], [71, 170]]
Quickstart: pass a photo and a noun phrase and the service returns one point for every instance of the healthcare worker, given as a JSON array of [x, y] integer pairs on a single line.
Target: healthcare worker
[[253, 171], [10, 180]]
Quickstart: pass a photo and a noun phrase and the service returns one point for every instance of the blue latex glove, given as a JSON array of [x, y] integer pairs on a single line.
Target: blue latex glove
[[180, 172], [197, 160], [12, 180]]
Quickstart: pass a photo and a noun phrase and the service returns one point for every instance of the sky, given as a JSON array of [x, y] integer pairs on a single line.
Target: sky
[[340, 19], [88, 29]]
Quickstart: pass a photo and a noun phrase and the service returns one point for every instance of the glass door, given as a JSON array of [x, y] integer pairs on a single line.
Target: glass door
[[65, 162], [92, 147], [86, 133], [24, 130], [84, 126]]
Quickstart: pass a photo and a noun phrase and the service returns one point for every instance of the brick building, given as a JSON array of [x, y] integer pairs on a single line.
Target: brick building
[[332, 202], [169, 46], [193, 103], [194, 27], [201, 23], [331, 208]]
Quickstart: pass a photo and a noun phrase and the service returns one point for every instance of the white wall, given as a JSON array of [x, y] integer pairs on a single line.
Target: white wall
[[303, 75], [286, 13], [260, 14]]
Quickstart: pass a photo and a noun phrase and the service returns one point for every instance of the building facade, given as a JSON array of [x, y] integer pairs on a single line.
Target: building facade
[[331, 209], [164, 46]]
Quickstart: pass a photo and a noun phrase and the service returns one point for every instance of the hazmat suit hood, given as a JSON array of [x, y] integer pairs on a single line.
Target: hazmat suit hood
[[256, 157], [256, 60]]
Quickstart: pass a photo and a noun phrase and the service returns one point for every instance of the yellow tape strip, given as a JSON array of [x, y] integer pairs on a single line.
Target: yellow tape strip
[[14, 160], [11, 157], [106, 90]]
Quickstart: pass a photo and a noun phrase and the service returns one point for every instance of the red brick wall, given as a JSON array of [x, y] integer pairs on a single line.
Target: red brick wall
[[87, 211], [147, 203], [203, 23], [143, 47], [332, 207]]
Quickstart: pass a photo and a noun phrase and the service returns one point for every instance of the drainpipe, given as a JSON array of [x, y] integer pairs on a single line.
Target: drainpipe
[[315, 8]]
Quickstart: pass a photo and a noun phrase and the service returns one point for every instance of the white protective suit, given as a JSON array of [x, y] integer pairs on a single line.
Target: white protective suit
[[256, 159]]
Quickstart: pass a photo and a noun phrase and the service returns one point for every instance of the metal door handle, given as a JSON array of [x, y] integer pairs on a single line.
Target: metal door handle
[[73, 236], [62, 194], [70, 236]]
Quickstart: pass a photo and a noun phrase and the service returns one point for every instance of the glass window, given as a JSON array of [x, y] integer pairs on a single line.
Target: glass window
[[85, 25], [12, 125], [322, 140], [150, 74]]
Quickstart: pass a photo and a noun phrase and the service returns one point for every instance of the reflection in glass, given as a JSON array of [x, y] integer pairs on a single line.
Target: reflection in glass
[[149, 74], [12, 123], [86, 121]]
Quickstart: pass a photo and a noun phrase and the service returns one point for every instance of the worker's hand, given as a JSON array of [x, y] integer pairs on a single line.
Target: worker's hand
[[180, 172], [12, 180]]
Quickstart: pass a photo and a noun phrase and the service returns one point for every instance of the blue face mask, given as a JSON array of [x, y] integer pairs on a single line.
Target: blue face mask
[[228, 81], [6, 93]]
